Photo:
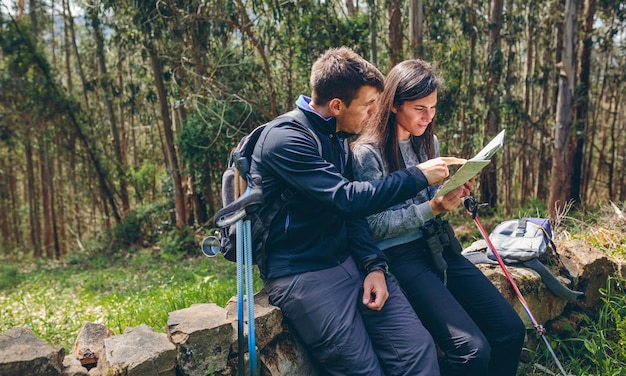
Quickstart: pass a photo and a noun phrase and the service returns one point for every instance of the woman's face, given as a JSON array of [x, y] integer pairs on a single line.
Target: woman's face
[[413, 117]]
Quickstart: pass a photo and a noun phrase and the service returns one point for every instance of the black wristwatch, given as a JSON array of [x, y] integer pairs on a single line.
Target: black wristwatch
[[378, 265]]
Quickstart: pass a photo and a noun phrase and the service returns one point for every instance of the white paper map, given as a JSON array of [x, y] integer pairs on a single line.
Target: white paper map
[[472, 166]]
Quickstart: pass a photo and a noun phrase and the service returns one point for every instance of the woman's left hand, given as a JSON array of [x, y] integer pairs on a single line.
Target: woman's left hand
[[452, 199]]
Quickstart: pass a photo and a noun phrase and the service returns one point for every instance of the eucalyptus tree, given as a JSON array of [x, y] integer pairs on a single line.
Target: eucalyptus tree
[[416, 28], [488, 177], [106, 85], [562, 155]]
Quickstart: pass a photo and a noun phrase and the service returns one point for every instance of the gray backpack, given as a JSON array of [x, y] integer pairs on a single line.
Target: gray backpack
[[523, 239], [525, 242]]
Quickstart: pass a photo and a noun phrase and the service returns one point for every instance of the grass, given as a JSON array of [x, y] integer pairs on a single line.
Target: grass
[[53, 299]]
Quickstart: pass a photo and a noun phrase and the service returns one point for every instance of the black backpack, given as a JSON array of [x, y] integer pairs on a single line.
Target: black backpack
[[242, 196]]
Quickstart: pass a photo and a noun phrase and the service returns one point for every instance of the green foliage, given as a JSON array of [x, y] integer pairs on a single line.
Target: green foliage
[[142, 226], [596, 348], [209, 134], [144, 181], [177, 244], [9, 275]]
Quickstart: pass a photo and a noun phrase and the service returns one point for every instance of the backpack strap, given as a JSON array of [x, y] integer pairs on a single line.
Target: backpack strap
[[299, 118], [552, 283], [521, 228], [267, 215]]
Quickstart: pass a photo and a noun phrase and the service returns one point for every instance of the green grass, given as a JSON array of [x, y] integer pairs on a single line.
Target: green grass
[[53, 299]]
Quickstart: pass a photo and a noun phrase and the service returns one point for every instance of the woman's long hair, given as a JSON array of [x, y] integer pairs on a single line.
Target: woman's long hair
[[407, 81]]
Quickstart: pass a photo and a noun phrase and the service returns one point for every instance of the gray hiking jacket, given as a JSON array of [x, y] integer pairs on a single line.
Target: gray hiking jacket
[[400, 223]]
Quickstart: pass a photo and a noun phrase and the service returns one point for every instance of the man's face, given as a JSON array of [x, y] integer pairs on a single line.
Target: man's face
[[352, 119]]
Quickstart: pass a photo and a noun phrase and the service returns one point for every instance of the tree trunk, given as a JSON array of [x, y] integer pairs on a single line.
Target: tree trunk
[[32, 13], [561, 178], [107, 91], [170, 151], [5, 193], [352, 9], [373, 31], [120, 107], [488, 183], [12, 192], [394, 12], [468, 125], [246, 29], [51, 244], [527, 160], [20, 9], [79, 62], [582, 101], [66, 47], [416, 28], [33, 201]]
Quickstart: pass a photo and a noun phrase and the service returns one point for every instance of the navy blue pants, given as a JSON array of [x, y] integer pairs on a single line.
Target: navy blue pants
[[343, 335], [477, 329]]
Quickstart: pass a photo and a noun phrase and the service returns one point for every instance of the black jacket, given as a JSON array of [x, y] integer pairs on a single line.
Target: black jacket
[[323, 221]]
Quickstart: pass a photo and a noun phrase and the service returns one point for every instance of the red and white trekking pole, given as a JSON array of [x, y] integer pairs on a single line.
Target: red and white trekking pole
[[472, 207]]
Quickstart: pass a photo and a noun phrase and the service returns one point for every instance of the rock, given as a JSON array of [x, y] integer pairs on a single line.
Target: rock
[[22, 353], [268, 320], [73, 367], [140, 351], [593, 269], [543, 304], [89, 344], [286, 356], [202, 336]]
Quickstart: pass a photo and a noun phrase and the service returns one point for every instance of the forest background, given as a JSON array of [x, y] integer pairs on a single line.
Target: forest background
[[119, 115]]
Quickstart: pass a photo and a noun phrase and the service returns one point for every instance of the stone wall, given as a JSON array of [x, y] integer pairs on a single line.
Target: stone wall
[[202, 339]]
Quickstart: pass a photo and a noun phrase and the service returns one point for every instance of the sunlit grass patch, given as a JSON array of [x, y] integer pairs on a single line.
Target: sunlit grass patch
[[55, 300]]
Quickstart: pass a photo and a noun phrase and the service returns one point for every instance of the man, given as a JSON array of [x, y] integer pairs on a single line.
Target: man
[[320, 265]]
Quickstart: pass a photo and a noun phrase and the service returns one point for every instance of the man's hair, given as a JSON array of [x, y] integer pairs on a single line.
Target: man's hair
[[341, 73]]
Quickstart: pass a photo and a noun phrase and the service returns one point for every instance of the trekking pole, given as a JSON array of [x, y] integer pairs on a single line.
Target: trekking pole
[[472, 207], [240, 304], [244, 282]]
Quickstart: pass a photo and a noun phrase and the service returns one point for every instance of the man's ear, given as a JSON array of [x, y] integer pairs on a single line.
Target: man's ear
[[335, 105], [394, 109]]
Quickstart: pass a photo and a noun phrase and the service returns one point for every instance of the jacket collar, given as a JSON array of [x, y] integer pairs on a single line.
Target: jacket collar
[[325, 125]]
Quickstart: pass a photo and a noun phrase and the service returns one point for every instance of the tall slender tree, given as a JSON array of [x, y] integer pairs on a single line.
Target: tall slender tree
[[561, 179], [488, 182], [582, 102]]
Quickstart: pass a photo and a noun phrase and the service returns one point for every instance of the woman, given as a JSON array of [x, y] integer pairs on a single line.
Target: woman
[[476, 328]]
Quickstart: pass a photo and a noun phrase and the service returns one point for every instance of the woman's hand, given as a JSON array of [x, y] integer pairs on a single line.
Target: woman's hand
[[452, 199]]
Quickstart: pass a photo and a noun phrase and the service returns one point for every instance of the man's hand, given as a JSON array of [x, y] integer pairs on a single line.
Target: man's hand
[[375, 292], [436, 169]]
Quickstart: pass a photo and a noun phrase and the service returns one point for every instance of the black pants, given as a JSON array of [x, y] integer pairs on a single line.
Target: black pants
[[346, 337], [471, 322]]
